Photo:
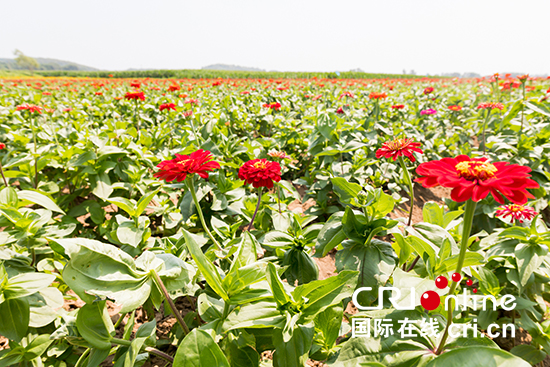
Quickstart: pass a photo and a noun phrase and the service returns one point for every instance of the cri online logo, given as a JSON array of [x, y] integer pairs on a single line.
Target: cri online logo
[[431, 300]]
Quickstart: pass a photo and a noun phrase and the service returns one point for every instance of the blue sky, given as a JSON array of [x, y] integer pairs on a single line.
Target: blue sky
[[429, 36]]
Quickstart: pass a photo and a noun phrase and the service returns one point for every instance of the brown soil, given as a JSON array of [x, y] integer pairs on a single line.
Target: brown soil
[[421, 196], [521, 337]]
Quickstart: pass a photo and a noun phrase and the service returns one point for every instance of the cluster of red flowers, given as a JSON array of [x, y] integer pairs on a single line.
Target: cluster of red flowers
[[399, 147], [475, 178], [135, 96], [260, 173], [397, 106], [428, 90], [29, 107], [273, 105], [455, 108], [173, 88], [375, 95], [516, 212], [167, 106], [490, 105]]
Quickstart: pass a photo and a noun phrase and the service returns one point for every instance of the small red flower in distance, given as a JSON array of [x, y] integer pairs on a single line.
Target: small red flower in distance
[[173, 88], [199, 162], [346, 94], [167, 106], [515, 211], [374, 95], [260, 173], [397, 106], [273, 105], [340, 110], [135, 96], [428, 90], [490, 105], [277, 154], [29, 107], [135, 85], [523, 78], [399, 147], [98, 93], [455, 108], [191, 101], [475, 178], [2, 146], [187, 113]]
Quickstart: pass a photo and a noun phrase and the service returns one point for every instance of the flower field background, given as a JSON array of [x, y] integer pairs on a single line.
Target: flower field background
[[227, 222]]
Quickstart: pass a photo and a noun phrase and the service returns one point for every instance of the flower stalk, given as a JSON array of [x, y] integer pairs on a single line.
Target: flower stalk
[[191, 185], [255, 211], [409, 183], [175, 311], [469, 211]]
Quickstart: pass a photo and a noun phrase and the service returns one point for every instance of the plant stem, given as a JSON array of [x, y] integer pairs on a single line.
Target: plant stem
[[467, 228], [160, 354], [35, 154], [170, 303], [522, 111], [191, 185], [408, 181], [413, 263], [119, 321], [484, 126], [2, 173], [82, 358], [278, 198], [255, 211]]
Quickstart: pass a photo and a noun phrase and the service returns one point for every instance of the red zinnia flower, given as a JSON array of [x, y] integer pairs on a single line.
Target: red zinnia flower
[[135, 96], [273, 105], [187, 113], [490, 105], [2, 146], [260, 173], [515, 211], [523, 78], [346, 94], [399, 147], [475, 178], [135, 85], [398, 107], [173, 88], [428, 90], [340, 110], [29, 107], [374, 95], [191, 101], [167, 106], [455, 108], [178, 168]]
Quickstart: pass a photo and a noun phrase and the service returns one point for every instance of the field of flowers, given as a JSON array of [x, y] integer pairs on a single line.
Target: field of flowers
[[185, 222]]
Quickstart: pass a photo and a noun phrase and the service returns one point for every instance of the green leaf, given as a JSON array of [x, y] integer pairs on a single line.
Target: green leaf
[[345, 190], [26, 284], [529, 258], [207, 269], [144, 201], [8, 197], [321, 294], [470, 259], [433, 213], [330, 236], [477, 356], [15, 318], [40, 199], [198, 349], [97, 268], [529, 353], [94, 324], [37, 347], [489, 283], [301, 267], [294, 352], [276, 286], [124, 204]]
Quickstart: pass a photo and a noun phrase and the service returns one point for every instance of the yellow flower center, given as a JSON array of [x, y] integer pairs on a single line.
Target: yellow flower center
[[515, 208], [397, 144], [260, 165], [471, 170]]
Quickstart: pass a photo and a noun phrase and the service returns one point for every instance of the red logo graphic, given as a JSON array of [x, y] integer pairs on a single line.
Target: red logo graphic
[[430, 300]]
